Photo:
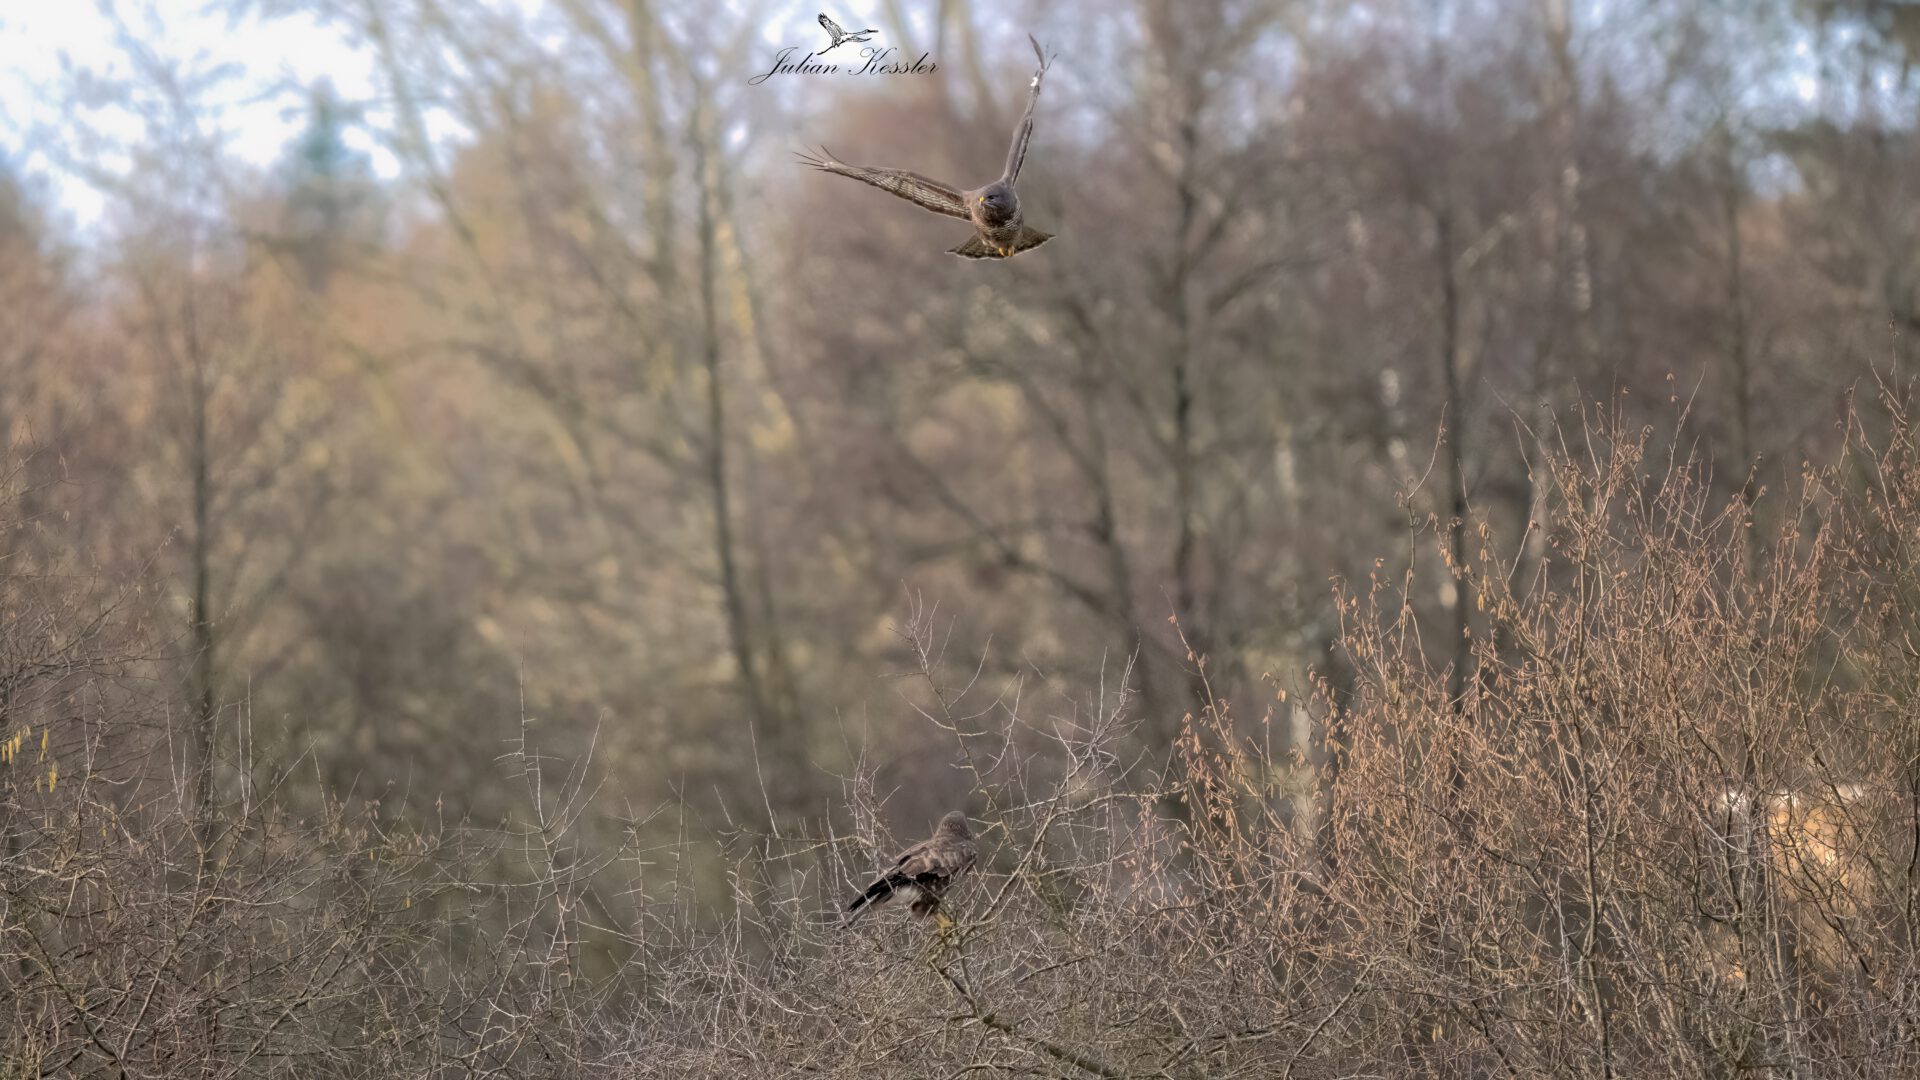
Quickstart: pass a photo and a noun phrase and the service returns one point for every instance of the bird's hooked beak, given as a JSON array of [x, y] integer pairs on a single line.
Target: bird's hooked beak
[[983, 200]]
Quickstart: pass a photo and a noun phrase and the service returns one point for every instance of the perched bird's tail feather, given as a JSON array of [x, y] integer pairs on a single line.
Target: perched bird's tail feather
[[876, 894]]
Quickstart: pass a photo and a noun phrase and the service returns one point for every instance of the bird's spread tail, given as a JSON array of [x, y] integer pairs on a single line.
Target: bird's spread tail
[[977, 247]]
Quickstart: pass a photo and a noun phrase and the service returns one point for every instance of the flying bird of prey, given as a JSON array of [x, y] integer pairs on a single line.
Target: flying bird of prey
[[1000, 229], [840, 36], [923, 872]]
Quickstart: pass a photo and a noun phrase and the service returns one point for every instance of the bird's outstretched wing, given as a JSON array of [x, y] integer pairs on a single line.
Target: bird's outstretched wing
[[1017, 153], [928, 194], [833, 29]]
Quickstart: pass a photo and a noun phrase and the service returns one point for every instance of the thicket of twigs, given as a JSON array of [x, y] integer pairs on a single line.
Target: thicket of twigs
[[1668, 827]]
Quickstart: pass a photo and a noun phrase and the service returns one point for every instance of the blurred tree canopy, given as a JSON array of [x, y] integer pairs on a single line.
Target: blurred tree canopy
[[602, 420]]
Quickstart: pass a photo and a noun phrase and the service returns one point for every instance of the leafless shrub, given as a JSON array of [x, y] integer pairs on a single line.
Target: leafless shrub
[[144, 933], [1666, 827], [1667, 830]]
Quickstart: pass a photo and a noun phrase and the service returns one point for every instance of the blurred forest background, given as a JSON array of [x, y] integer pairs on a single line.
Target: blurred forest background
[[597, 422], [606, 415]]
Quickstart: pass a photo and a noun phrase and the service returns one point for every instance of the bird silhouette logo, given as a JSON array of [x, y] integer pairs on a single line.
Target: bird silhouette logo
[[841, 35]]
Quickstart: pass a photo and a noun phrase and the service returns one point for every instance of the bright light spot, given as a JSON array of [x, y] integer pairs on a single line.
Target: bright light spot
[[44, 47], [385, 165]]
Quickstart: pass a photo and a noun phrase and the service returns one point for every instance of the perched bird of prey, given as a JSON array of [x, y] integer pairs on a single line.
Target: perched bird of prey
[[923, 872], [1000, 230], [840, 36]]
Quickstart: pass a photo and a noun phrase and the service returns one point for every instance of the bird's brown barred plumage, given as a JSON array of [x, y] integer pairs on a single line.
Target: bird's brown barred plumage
[[999, 221], [924, 872]]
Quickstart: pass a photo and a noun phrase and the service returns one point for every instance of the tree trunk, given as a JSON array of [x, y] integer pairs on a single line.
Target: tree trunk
[[200, 469], [732, 593], [1456, 455]]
